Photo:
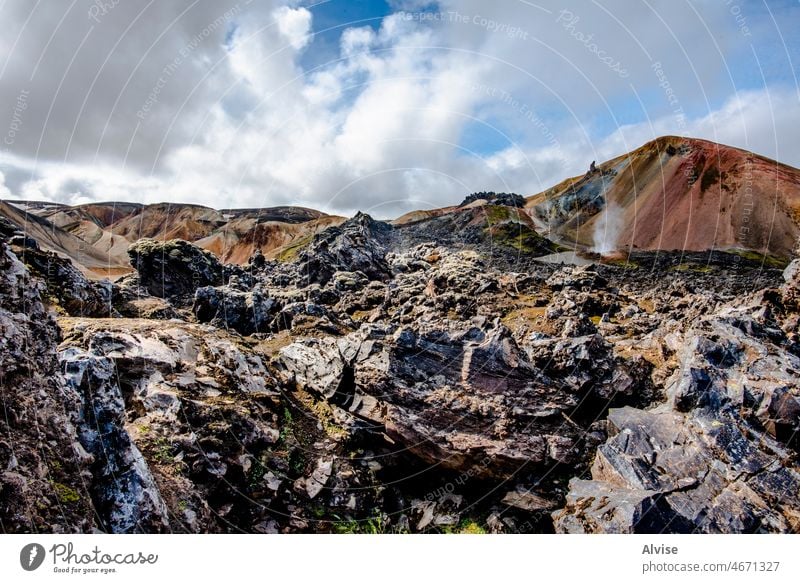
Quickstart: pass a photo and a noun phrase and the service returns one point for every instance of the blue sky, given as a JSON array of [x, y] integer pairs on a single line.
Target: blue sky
[[391, 105]]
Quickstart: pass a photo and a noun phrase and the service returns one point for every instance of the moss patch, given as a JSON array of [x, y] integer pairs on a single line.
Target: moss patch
[[691, 268], [522, 238], [322, 412], [761, 258], [466, 526], [65, 494], [291, 251]]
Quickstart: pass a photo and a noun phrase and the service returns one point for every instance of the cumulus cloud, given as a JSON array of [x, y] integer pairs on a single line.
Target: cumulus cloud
[[210, 103]]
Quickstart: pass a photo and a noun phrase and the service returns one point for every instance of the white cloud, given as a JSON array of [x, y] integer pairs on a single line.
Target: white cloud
[[294, 25], [242, 124]]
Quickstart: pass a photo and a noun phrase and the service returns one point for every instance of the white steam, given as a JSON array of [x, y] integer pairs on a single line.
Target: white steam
[[607, 229]]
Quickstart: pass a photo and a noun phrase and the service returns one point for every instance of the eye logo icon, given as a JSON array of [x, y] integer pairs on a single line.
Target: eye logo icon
[[31, 556]]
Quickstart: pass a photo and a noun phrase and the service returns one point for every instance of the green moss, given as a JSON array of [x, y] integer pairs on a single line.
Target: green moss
[[65, 494], [767, 260], [256, 474], [522, 238], [497, 214], [466, 526], [692, 268], [323, 413], [623, 263], [291, 251], [373, 525], [286, 428]]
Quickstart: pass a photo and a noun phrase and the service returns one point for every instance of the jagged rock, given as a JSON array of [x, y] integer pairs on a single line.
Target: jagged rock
[[67, 287], [316, 365], [125, 494], [421, 377], [791, 287], [452, 399], [44, 470], [587, 364], [527, 500], [128, 302], [174, 268], [499, 198], [292, 313], [716, 457], [313, 484], [227, 307], [198, 407], [178, 357], [359, 244]]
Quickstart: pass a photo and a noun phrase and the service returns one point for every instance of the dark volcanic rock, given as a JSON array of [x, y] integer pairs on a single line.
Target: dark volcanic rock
[[357, 245], [455, 399], [499, 198], [717, 457], [169, 269], [65, 286], [44, 471], [427, 377], [125, 494], [227, 307], [68, 288]]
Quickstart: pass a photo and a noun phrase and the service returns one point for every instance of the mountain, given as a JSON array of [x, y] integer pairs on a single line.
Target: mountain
[[96, 236], [677, 194]]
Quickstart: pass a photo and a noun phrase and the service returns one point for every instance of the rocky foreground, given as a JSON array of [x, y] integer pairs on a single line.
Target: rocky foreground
[[399, 379]]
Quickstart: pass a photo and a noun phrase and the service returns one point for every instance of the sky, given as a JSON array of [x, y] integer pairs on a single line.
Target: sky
[[383, 106]]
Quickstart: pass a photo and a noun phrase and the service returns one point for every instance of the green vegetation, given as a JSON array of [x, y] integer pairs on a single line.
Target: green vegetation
[[497, 214], [761, 258], [291, 435], [373, 525], [323, 413], [623, 263], [286, 428], [65, 494], [466, 526], [522, 238], [163, 451], [691, 268], [291, 251], [256, 474]]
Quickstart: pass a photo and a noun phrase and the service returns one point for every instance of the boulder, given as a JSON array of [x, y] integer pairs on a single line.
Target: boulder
[[125, 493], [229, 308], [453, 399], [358, 244], [175, 268]]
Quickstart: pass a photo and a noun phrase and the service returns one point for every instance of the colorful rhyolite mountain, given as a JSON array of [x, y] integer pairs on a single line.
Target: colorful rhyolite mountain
[[677, 193]]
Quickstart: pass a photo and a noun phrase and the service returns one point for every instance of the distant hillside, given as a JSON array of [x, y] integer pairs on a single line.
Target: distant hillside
[[96, 236], [677, 193]]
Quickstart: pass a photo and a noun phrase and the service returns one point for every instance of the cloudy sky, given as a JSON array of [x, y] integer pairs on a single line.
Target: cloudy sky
[[376, 105]]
